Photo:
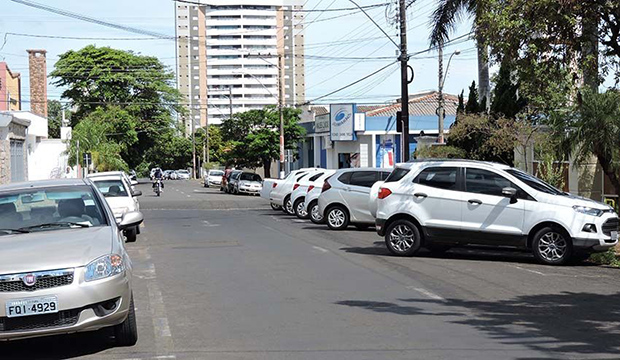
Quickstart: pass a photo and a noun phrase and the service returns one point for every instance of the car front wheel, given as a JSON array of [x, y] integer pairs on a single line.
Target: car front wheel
[[288, 206], [551, 246], [126, 333], [403, 238], [337, 218]]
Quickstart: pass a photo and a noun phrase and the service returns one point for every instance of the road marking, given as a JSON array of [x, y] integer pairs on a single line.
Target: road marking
[[208, 224], [187, 195], [165, 357], [274, 218], [320, 249], [528, 270], [426, 293], [299, 221]]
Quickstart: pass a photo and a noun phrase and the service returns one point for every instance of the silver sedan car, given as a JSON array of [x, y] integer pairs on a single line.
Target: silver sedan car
[[63, 264]]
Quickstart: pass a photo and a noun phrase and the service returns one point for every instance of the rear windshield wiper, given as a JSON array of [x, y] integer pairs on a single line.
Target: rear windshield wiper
[[54, 224], [10, 231]]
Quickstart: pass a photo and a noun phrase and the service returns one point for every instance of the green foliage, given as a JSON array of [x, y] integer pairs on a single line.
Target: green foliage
[[170, 152], [216, 145], [472, 107], [54, 118], [486, 138], [141, 85], [593, 129], [608, 257], [506, 101], [461, 107], [254, 136], [440, 152]]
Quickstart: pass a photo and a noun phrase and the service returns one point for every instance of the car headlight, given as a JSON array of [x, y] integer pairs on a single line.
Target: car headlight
[[105, 266], [588, 210]]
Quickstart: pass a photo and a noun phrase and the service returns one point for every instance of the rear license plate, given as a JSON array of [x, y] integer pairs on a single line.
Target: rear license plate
[[32, 306], [614, 235]]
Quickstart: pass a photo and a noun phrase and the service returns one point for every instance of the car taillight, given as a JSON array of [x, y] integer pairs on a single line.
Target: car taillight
[[310, 188], [326, 186], [384, 192], [295, 186], [274, 185]]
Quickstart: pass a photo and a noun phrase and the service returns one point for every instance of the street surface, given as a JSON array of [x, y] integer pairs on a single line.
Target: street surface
[[218, 276]]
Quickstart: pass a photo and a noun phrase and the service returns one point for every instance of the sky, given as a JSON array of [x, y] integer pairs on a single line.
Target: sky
[[326, 34]]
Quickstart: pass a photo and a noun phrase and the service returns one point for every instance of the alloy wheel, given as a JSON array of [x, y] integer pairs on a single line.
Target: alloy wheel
[[289, 207], [316, 215], [552, 246], [336, 218], [402, 238], [301, 209]]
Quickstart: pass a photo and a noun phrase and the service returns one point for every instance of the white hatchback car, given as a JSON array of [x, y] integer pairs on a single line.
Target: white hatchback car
[[439, 204], [280, 194], [302, 188], [119, 195], [344, 197]]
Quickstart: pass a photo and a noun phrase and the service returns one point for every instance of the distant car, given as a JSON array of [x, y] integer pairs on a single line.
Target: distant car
[[344, 197], [270, 185], [133, 175], [213, 177], [301, 189], [248, 183], [119, 195], [182, 175], [174, 175], [166, 174], [63, 265], [233, 180]]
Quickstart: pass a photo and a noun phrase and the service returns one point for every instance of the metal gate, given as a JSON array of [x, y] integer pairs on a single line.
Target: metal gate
[[17, 161]]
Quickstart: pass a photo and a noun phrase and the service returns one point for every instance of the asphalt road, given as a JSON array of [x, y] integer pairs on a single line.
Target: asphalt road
[[225, 277]]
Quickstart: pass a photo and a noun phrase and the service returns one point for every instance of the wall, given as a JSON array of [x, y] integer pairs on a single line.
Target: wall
[[10, 89], [5, 162], [47, 160]]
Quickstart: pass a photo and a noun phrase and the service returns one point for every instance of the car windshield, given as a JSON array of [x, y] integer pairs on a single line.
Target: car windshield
[[111, 188], [216, 173], [534, 182], [250, 177], [44, 209], [183, 172]]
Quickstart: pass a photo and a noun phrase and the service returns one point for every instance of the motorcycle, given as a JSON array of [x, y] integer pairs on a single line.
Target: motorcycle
[[157, 187]]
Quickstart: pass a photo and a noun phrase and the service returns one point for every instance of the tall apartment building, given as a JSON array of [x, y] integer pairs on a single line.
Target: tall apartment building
[[10, 89], [234, 52]]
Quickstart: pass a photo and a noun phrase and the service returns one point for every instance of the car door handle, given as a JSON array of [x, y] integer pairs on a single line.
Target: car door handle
[[475, 201], [422, 195]]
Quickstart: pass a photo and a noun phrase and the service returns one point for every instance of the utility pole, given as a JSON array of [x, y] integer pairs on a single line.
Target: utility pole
[[77, 159], [193, 143], [280, 106], [404, 77], [440, 112]]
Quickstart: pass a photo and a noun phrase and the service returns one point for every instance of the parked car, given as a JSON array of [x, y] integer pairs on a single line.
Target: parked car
[[213, 177], [120, 196], [133, 176], [248, 183], [344, 197], [63, 264], [182, 174], [233, 179], [225, 178], [174, 175], [440, 204], [281, 194], [166, 174], [270, 184], [301, 189]]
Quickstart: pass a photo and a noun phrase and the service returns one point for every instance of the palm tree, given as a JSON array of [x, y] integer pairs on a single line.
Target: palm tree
[[444, 20]]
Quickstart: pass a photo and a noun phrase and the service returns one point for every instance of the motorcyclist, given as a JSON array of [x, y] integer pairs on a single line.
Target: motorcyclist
[[158, 176]]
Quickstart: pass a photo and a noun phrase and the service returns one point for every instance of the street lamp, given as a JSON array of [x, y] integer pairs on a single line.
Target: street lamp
[[442, 80]]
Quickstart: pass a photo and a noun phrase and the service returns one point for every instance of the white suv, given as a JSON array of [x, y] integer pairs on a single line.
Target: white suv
[[439, 204], [344, 197]]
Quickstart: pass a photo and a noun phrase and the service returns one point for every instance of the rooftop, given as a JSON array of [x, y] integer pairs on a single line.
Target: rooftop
[[420, 104]]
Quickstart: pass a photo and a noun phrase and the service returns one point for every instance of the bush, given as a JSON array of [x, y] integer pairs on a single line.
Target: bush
[[440, 152], [606, 258]]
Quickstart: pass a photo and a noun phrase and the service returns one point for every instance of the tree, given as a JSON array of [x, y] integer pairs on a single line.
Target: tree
[[91, 134], [506, 101], [593, 129], [54, 118], [472, 107], [444, 20], [142, 85], [254, 136], [461, 107]]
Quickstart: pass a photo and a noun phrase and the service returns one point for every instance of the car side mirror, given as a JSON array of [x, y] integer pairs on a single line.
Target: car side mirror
[[136, 193], [511, 193], [131, 219]]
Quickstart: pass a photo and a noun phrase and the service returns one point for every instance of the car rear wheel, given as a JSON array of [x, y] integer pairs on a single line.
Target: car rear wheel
[[288, 206], [300, 209], [337, 218], [315, 215], [402, 238], [551, 246], [126, 333], [276, 206]]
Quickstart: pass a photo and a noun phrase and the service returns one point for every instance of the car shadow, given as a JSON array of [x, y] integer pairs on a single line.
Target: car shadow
[[59, 346], [566, 324]]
